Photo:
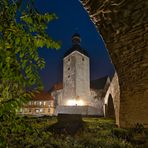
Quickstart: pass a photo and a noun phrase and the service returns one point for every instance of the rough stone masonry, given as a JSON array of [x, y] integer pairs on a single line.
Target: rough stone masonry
[[124, 27]]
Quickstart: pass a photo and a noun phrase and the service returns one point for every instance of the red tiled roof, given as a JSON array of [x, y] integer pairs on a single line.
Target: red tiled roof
[[42, 95], [56, 86]]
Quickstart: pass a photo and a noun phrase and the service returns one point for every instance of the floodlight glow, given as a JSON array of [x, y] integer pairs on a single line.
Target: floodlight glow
[[73, 102], [80, 102]]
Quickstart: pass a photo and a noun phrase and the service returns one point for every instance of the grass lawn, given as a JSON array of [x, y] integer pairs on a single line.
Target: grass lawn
[[92, 133]]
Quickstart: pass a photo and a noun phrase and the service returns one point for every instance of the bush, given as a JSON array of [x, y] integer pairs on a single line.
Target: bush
[[138, 128], [121, 133], [95, 133]]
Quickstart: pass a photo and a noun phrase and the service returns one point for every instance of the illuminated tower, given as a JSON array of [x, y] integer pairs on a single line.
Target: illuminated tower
[[76, 75]]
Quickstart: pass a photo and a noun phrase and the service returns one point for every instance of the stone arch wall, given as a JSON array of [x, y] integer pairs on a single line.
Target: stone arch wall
[[124, 27], [109, 108], [114, 91]]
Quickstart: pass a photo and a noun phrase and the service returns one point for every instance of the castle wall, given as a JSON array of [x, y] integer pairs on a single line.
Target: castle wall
[[83, 110], [114, 91], [57, 95], [124, 27], [76, 77], [69, 75], [82, 76], [96, 100]]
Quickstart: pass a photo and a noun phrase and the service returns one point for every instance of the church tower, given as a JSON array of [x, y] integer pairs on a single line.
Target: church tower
[[76, 75]]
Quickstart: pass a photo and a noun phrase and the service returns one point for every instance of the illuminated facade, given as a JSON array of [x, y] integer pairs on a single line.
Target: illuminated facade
[[75, 95], [41, 104], [76, 75]]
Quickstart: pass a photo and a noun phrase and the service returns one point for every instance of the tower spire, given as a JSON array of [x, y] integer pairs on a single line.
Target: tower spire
[[76, 39]]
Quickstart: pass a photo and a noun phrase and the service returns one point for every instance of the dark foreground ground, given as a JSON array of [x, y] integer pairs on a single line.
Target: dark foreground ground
[[45, 132]]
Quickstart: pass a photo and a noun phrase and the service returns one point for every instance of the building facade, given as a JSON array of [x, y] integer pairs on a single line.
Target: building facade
[[76, 75], [76, 96], [41, 104]]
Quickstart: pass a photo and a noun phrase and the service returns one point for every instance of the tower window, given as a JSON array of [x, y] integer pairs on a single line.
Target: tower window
[[68, 76], [82, 59], [68, 68], [69, 59]]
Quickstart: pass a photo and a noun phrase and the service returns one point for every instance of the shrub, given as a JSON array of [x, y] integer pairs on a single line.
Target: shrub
[[121, 133], [138, 128]]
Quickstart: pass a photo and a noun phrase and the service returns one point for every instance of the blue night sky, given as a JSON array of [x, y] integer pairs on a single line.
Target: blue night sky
[[72, 18]]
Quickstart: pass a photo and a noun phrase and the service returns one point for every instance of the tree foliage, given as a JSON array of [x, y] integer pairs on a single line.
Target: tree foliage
[[23, 30]]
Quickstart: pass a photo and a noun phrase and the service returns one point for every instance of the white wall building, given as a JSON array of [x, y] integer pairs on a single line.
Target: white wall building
[[75, 96], [76, 75]]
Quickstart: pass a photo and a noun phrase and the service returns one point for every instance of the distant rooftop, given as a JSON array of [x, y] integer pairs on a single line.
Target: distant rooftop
[[94, 84], [98, 83], [56, 86], [41, 96]]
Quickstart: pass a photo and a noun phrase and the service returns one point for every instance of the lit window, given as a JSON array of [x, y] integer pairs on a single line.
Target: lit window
[[44, 103], [40, 103]]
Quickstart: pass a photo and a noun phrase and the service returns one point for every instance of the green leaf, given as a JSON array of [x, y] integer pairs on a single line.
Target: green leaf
[[20, 37], [17, 41]]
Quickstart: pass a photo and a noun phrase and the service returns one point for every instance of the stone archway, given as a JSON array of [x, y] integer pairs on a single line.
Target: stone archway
[[109, 108], [112, 99], [124, 27]]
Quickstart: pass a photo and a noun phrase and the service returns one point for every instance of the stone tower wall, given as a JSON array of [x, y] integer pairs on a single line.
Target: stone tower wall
[[114, 91], [82, 76], [69, 75], [76, 79]]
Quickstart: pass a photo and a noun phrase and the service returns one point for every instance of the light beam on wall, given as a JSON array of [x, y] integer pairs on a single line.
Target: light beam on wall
[[74, 102]]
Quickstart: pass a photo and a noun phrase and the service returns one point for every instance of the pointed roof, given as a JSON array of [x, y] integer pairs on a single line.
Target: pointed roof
[[76, 40], [56, 86], [42, 95], [98, 83]]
